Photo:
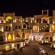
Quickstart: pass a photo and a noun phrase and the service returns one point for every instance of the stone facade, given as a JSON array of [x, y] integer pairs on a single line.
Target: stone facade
[[16, 28]]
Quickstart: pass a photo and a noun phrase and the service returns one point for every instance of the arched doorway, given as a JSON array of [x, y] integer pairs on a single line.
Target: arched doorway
[[52, 28], [10, 37], [9, 19], [33, 37], [44, 19]]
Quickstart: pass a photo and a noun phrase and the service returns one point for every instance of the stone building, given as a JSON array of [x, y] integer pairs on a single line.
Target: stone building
[[16, 28]]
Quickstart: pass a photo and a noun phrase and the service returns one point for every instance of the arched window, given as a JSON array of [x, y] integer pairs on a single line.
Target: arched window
[[44, 19], [9, 18], [10, 37], [35, 28]]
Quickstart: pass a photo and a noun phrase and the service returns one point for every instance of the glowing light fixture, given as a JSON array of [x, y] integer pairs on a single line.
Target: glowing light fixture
[[9, 17], [7, 48]]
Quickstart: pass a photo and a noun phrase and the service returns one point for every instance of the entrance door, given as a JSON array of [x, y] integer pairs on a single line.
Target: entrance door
[[33, 37]]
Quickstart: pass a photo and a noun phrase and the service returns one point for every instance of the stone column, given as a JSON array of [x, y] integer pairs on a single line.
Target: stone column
[[42, 20], [13, 36], [21, 34], [48, 20], [6, 36], [38, 27], [50, 28]]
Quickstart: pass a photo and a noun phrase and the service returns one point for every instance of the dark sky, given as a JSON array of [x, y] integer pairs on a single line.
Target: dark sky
[[26, 7]]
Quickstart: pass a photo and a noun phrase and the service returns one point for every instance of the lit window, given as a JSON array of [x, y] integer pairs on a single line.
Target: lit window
[[35, 28], [9, 18], [10, 37], [52, 28]]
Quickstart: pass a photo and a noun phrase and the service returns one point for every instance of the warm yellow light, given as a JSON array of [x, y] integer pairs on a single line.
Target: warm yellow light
[[9, 17], [9, 37], [27, 35], [45, 18], [35, 28], [52, 28], [7, 48]]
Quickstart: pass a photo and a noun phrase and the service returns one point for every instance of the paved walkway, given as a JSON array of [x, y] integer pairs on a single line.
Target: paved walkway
[[47, 49], [32, 49]]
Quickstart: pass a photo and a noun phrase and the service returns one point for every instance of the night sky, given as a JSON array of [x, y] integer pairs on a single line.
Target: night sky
[[26, 7]]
